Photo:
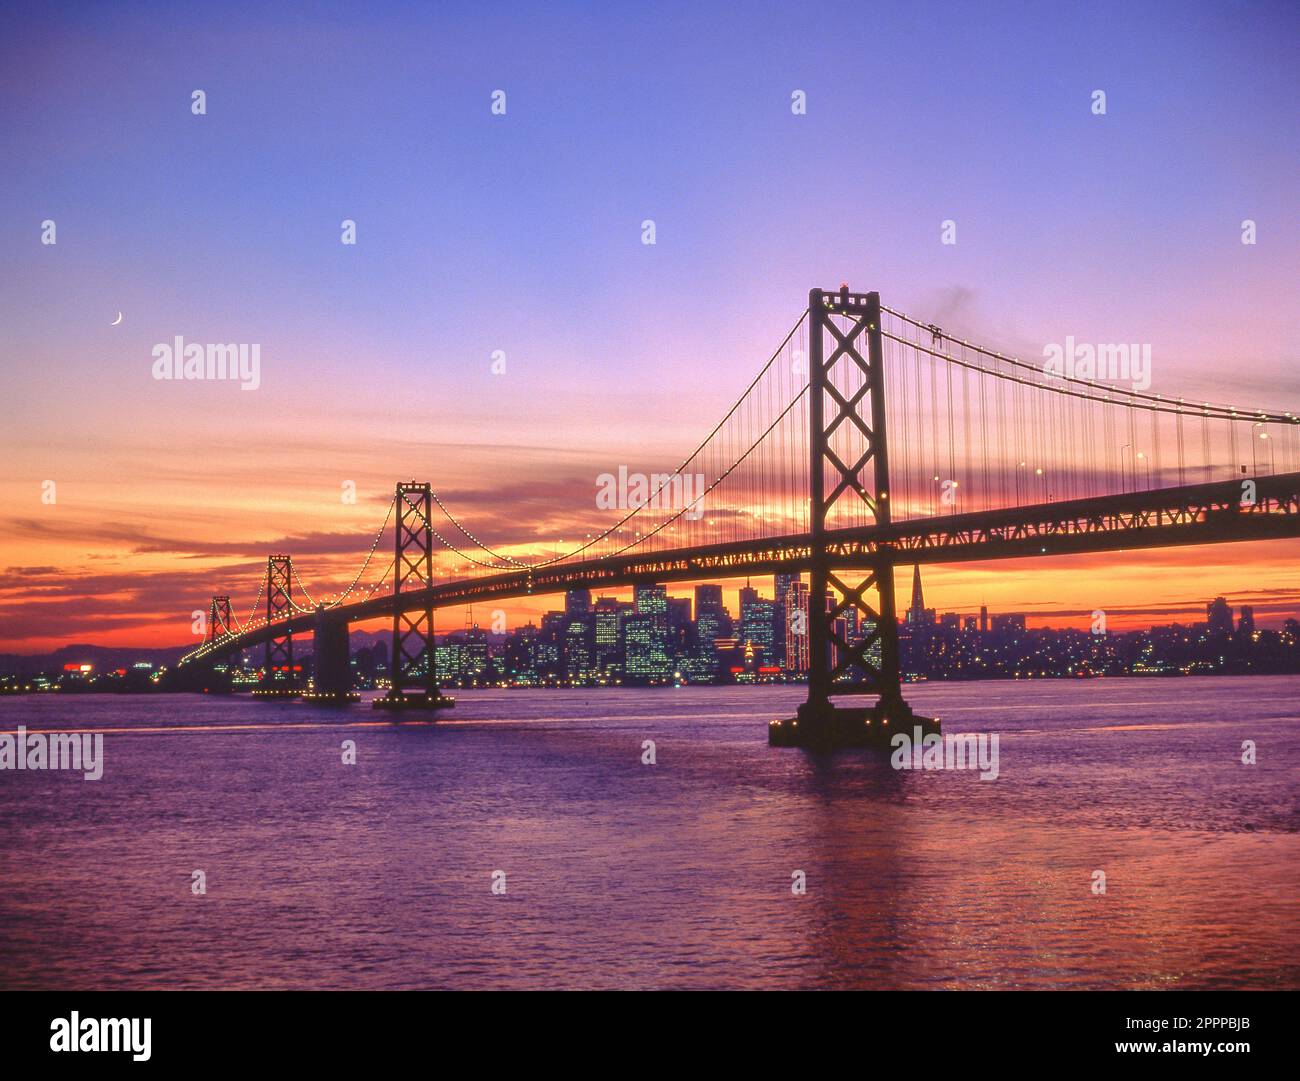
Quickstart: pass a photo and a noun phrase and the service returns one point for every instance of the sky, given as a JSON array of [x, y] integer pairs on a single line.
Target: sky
[[522, 233]]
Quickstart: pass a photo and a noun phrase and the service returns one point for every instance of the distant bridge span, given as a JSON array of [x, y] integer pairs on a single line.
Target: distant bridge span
[[1165, 518]]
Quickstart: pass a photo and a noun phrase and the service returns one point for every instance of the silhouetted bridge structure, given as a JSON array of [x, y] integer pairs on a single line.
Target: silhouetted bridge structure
[[868, 439]]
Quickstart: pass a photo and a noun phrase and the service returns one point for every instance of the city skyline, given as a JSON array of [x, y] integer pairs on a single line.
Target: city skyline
[[760, 640]]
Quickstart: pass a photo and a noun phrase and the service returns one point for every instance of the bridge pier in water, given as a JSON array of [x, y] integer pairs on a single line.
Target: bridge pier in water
[[412, 664], [848, 448], [331, 662], [869, 666]]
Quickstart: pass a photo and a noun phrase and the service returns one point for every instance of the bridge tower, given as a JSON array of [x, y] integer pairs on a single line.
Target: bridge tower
[[219, 621], [413, 663], [280, 679], [849, 466], [209, 676]]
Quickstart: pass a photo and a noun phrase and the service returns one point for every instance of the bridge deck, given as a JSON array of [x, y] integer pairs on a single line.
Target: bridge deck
[[1166, 517]]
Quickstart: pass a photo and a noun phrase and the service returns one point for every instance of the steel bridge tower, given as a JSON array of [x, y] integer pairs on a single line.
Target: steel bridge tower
[[280, 679], [209, 677], [413, 663], [849, 465], [219, 620]]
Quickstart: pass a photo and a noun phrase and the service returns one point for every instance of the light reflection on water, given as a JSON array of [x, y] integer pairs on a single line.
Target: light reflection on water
[[677, 874]]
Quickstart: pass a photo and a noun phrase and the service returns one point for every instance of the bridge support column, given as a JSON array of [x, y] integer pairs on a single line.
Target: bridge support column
[[280, 676], [853, 643], [331, 662], [413, 664]]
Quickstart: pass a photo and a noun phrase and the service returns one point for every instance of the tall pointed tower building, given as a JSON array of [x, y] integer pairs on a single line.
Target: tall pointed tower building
[[917, 614]]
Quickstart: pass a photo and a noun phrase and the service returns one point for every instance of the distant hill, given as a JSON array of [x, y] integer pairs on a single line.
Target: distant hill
[[102, 657], [108, 657]]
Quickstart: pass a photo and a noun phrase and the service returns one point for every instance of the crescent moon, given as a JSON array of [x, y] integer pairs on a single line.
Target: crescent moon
[[117, 320]]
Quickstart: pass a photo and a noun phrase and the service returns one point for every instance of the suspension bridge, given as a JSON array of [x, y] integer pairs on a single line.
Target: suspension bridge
[[869, 438]]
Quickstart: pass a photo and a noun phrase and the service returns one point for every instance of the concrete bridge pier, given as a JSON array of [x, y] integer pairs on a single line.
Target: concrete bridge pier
[[823, 726], [216, 681], [202, 677], [331, 662]]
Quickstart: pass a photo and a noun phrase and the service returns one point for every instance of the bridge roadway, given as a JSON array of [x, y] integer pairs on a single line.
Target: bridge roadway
[[1160, 518]]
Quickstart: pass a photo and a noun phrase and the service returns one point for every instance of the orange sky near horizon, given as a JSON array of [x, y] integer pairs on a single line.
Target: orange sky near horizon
[[124, 560]]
